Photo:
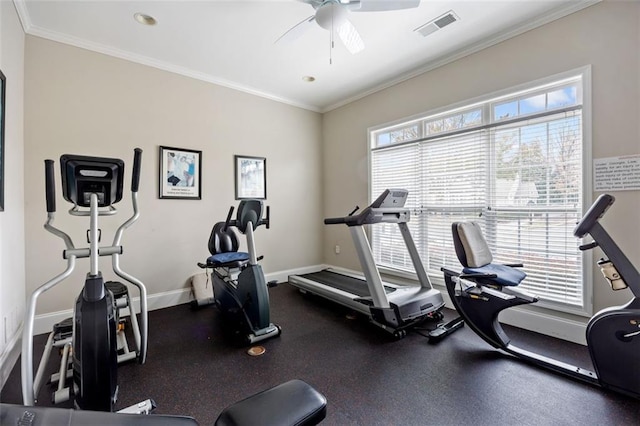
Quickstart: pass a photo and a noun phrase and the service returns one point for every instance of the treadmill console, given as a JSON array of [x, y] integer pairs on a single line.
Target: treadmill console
[[391, 198], [388, 207]]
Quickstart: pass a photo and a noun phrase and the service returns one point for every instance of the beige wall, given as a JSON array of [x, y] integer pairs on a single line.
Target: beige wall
[[605, 36], [87, 103], [12, 263]]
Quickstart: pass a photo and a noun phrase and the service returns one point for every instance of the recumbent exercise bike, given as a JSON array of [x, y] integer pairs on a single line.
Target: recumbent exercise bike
[[239, 287], [484, 289]]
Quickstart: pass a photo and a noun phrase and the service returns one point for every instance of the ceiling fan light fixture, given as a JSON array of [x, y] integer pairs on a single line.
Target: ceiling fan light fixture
[[145, 19], [331, 15]]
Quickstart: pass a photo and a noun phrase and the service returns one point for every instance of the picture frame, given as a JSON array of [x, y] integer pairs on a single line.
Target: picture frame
[[250, 177], [180, 173], [3, 107]]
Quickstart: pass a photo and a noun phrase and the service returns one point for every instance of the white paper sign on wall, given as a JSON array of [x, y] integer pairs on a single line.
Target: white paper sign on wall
[[616, 173]]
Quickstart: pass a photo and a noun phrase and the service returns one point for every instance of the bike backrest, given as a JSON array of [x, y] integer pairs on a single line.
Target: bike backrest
[[471, 247], [222, 239]]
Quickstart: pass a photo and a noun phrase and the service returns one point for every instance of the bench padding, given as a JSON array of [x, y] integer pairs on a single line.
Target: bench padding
[[292, 403], [19, 415]]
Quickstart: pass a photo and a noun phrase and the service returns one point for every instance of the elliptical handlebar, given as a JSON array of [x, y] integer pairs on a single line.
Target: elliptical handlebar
[[50, 186], [135, 183], [137, 164], [591, 217]]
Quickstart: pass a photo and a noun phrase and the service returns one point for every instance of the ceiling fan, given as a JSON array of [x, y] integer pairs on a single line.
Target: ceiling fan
[[333, 15]]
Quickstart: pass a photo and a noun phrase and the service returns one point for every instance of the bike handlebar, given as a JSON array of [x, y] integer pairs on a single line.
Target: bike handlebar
[[227, 222], [591, 217], [265, 221]]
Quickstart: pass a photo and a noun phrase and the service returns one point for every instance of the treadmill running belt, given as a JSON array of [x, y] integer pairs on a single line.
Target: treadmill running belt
[[343, 282]]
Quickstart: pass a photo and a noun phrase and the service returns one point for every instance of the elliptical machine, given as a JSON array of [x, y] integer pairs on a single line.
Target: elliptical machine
[[484, 289], [239, 288], [94, 183]]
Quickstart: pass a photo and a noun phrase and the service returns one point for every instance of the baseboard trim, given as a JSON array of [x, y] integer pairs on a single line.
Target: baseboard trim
[[283, 276], [9, 357], [547, 324], [44, 323]]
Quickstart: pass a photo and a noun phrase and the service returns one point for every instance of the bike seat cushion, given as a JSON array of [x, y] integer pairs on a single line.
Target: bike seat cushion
[[505, 275], [292, 403], [232, 259]]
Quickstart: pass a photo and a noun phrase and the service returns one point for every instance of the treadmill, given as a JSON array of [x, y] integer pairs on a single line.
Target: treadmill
[[392, 307]]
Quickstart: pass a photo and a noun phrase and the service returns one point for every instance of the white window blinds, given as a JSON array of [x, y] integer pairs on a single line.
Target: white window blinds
[[513, 164], [536, 202]]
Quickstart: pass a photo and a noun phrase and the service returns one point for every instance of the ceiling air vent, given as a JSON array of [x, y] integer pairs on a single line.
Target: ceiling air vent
[[438, 23]]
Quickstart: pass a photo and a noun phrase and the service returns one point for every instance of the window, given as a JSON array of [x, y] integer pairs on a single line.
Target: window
[[513, 163]]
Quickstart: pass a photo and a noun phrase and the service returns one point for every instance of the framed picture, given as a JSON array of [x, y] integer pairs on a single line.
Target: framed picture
[[3, 89], [251, 177], [180, 173]]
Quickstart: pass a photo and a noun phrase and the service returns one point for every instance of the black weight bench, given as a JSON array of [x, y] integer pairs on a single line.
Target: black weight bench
[[19, 415], [291, 403]]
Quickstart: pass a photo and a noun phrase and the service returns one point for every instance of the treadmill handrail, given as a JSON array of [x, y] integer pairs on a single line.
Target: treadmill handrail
[[372, 215], [335, 220]]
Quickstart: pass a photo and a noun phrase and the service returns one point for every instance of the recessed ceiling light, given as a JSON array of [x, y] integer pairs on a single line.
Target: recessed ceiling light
[[309, 78], [145, 19]]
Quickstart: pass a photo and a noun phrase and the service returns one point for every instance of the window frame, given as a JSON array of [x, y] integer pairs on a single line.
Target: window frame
[[489, 100]]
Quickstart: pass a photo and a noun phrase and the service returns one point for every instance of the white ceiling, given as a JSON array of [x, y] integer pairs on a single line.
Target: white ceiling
[[232, 43]]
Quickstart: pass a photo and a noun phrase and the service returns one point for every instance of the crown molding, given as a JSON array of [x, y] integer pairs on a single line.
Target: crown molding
[[165, 66], [23, 15], [36, 31], [29, 28]]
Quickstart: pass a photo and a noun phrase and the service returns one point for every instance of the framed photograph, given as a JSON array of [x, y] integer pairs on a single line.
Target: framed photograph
[[3, 89], [180, 173], [251, 177]]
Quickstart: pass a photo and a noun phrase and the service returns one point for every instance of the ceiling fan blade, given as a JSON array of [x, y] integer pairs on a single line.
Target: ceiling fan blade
[[381, 5], [314, 3], [297, 30], [350, 37]]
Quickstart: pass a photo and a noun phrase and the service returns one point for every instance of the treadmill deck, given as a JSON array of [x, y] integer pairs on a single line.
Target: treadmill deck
[[355, 286]]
